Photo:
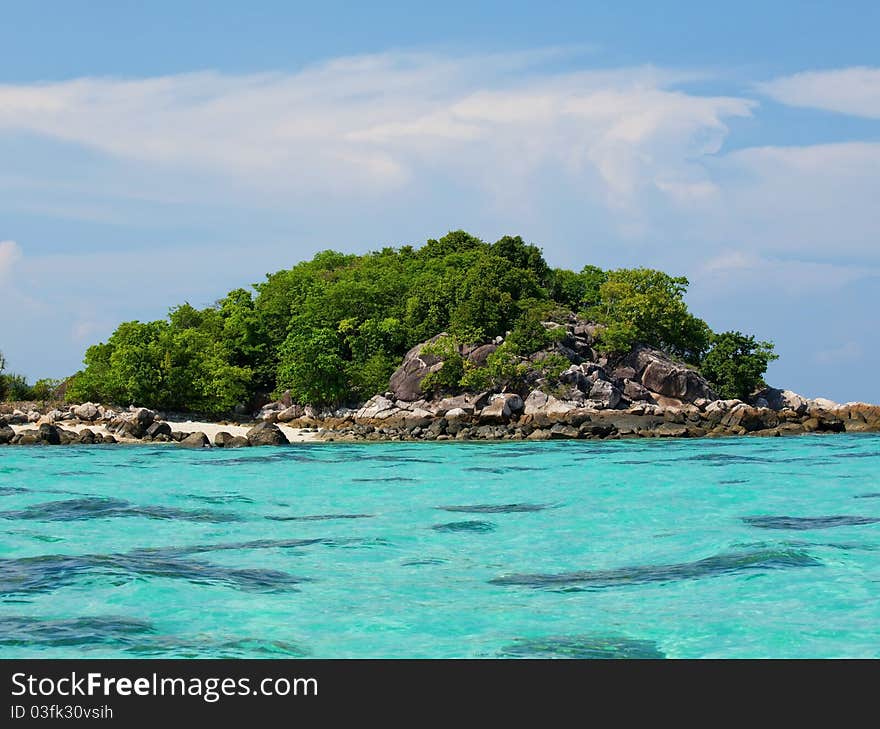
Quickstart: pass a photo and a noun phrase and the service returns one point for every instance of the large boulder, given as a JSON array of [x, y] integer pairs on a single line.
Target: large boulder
[[49, 434], [660, 374], [541, 409], [266, 433], [479, 355], [6, 434], [195, 440], [377, 407], [144, 416], [290, 413], [635, 391], [17, 418], [87, 411], [85, 436], [605, 393], [501, 408], [222, 438], [158, 427], [406, 382]]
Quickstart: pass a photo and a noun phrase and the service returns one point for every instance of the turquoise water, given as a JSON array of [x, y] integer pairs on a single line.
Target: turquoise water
[[740, 547]]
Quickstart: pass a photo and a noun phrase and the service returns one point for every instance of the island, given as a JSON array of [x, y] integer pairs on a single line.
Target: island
[[458, 339]]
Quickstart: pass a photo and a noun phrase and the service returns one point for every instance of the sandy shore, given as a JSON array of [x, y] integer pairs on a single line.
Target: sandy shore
[[294, 435]]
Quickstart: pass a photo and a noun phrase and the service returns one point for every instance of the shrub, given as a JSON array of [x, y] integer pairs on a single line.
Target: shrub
[[736, 363]]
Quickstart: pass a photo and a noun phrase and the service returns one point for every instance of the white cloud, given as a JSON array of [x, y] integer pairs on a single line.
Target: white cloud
[[370, 124], [10, 254], [854, 91], [815, 202]]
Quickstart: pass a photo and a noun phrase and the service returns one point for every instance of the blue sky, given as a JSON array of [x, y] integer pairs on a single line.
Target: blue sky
[[154, 153]]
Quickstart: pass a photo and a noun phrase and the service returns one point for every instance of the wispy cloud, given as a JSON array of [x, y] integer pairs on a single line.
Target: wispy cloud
[[854, 91], [368, 124]]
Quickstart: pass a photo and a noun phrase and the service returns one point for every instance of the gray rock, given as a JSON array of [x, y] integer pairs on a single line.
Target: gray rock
[[501, 408], [480, 354], [782, 400], [377, 406], [222, 439], [266, 434], [195, 440], [86, 437], [662, 375], [406, 382], [144, 416], [290, 413], [157, 428], [606, 393], [49, 434], [6, 434], [33, 416], [87, 411], [635, 391], [238, 441]]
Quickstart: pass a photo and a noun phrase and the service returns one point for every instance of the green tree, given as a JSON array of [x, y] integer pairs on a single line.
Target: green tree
[[44, 389], [311, 366], [736, 363], [647, 306], [16, 387], [577, 291]]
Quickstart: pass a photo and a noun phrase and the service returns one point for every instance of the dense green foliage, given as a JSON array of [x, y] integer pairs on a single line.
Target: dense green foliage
[[333, 329], [736, 364], [647, 306]]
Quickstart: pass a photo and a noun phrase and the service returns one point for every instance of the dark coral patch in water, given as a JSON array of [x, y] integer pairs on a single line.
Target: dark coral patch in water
[[320, 517], [50, 572], [29, 631], [208, 647], [106, 508], [465, 526], [799, 523], [496, 508], [719, 564], [582, 647]]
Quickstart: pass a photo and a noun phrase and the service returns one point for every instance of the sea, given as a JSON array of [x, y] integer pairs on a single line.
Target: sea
[[738, 547]]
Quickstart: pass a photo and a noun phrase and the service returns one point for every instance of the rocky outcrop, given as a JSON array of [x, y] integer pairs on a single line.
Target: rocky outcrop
[[660, 374], [775, 399]]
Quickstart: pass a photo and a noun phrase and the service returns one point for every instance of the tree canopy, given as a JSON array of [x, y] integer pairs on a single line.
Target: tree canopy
[[332, 330]]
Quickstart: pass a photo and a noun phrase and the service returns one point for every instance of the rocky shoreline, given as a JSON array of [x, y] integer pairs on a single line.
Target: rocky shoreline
[[481, 417], [644, 394]]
